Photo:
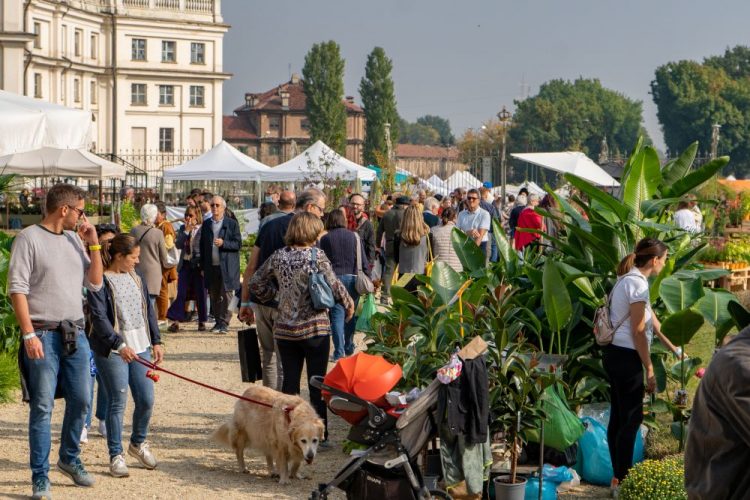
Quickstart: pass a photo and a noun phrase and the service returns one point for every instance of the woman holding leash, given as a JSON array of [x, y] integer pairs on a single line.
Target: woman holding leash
[[302, 333], [125, 327], [628, 356]]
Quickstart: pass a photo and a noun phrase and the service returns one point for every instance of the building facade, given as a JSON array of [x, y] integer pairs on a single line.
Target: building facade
[[273, 127], [426, 161], [150, 71]]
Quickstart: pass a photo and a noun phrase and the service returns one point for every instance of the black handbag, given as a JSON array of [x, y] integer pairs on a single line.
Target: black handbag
[[250, 365]]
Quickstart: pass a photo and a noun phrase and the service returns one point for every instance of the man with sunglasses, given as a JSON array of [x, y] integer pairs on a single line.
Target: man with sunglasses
[[49, 266], [475, 221]]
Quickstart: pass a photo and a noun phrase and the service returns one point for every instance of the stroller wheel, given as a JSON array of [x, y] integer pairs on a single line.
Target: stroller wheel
[[440, 494]]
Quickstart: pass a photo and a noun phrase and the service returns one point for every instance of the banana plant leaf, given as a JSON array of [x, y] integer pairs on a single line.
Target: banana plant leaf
[[740, 315], [656, 285], [470, 255], [702, 274], [681, 326], [714, 306], [504, 248], [555, 297], [680, 294], [642, 182], [652, 208], [695, 178], [579, 279], [594, 193], [445, 281], [680, 166], [568, 210], [685, 368], [660, 372]]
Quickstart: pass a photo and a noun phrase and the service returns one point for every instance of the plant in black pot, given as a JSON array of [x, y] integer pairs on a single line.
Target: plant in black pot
[[515, 401]]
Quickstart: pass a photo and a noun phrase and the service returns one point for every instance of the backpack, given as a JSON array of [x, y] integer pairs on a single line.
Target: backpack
[[604, 331]]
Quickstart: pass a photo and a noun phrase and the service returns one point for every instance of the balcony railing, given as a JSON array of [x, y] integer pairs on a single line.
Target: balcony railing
[[177, 5], [200, 5], [168, 4]]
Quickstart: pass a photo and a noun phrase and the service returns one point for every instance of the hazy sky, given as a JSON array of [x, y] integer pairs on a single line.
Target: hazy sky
[[464, 60]]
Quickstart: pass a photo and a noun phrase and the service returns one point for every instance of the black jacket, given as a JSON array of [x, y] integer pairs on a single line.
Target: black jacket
[[464, 403], [391, 227], [104, 338], [367, 234], [229, 252]]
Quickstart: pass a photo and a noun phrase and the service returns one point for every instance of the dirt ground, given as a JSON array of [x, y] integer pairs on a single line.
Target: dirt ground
[[190, 466]]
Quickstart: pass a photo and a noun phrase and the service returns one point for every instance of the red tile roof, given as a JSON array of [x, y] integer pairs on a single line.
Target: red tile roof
[[235, 127], [421, 151], [270, 100]]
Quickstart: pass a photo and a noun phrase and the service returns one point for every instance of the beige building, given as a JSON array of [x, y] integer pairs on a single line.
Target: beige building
[[150, 71], [426, 161], [270, 126]]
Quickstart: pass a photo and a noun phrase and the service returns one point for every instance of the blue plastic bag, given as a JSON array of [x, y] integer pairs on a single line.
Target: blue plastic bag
[[549, 489], [594, 464], [556, 475]]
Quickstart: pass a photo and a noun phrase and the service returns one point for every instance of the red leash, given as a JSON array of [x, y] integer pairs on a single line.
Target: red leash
[[153, 366]]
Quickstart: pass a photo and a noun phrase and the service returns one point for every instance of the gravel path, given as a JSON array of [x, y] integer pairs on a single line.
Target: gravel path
[[190, 466]]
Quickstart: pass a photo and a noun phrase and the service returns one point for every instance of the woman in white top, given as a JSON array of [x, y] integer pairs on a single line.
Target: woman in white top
[[124, 327], [684, 218], [628, 356]]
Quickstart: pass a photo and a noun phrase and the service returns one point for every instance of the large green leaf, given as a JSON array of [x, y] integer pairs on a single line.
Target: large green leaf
[[740, 315], [680, 294], [685, 368], [504, 248], [714, 306], [633, 153], [656, 285], [568, 209], [470, 255], [445, 281], [643, 180], [660, 372], [556, 299], [594, 193], [579, 280], [680, 166], [696, 177], [702, 274], [651, 208], [681, 326]]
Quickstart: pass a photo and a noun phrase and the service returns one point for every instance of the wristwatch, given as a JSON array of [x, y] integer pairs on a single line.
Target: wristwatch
[[121, 347]]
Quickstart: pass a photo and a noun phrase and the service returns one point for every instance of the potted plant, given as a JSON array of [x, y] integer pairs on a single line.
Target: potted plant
[[515, 400]]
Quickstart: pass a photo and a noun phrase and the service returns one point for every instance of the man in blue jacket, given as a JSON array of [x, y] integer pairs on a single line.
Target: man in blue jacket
[[220, 244]]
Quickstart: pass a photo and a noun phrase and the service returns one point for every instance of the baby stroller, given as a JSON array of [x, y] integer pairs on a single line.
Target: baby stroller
[[355, 390]]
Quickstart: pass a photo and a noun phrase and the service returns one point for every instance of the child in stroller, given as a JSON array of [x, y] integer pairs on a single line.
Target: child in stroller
[[355, 390]]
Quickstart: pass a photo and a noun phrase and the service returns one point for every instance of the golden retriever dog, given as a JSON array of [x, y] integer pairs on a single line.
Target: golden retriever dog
[[286, 439]]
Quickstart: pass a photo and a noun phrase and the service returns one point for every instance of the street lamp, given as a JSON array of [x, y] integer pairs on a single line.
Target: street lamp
[[505, 118]]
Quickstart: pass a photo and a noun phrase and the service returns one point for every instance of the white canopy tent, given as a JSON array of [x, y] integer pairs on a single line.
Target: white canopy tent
[[223, 162], [307, 166], [570, 162], [436, 181], [28, 124], [60, 163], [462, 179]]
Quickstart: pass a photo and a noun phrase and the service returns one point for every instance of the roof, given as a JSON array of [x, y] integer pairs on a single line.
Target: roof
[[236, 127], [737, 185], [270, 100], [423, 151]]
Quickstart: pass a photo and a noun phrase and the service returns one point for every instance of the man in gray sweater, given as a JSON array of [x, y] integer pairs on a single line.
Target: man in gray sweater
[[49, 266]]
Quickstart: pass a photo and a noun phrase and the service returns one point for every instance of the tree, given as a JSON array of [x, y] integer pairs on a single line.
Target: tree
[[416, 133], [379, 101], [323, 79], [443, 127], [691, 97], [576, 115]]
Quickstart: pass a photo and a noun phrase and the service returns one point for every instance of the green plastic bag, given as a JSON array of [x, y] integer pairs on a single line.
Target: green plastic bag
[[367, 309], [562, 427]]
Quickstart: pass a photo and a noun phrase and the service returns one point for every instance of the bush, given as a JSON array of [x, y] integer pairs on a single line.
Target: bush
[[662, 479], [9, 377]]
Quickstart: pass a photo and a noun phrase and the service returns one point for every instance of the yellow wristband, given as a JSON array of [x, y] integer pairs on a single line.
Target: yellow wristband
[[94, 248]]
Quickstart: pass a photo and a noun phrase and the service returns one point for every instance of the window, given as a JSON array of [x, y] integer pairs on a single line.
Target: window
[[166, 140], [138, 49], [166, 95], [76, 90], [197, 53], [37, 85], [63, 88], [274, 122], [196, 95], [274, 149], [94, 46], [168, 51], [242, 149], [305, 124], [77, 40], [138, 94], [37, 35], [93, 91], [64, 44]]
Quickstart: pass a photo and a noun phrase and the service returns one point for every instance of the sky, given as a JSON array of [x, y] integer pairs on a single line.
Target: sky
[[464, 60]]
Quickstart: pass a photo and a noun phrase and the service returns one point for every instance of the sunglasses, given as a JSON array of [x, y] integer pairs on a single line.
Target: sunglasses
[[214, 205], [79, 211], [472, 198]]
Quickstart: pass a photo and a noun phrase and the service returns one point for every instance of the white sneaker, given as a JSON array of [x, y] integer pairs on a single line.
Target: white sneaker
[[102, 428], [143, 454], [117, 467], [84, 435]]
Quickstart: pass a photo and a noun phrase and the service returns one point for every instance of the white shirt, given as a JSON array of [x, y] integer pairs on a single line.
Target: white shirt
[[216, 226], [630, 289], [478, 219], [685, 219], [698, 215]]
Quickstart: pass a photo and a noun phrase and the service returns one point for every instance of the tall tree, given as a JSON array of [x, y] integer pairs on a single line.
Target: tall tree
[[442, 125], [323, 79], [379, 101], [576, 115], [416, 133]]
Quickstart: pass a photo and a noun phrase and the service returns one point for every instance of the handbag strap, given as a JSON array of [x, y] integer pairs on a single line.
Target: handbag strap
[[144, 234], [609, 304], [358, 250], [314, 259], [429, 248]]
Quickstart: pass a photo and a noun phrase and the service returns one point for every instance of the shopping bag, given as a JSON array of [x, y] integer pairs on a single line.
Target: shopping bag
[[365, 316], [247, 344], [562, 427]]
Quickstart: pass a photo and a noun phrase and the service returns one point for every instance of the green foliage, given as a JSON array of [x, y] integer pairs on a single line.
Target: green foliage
[[10, 337], [129, 217], [417, 133], [576, 115], [441, 125], [655, 479], [9, 376], [379, 102], [323, 80]]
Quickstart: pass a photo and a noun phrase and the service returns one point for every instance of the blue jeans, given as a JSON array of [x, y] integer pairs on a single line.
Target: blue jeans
[[494, 254], [116, 375], [101, 401], [342, 331], [44, 374]]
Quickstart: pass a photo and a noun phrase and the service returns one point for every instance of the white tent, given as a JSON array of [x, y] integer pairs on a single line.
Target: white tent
[[307, 167], [28, 124], [436, 181], [571, 162], [462, 179], [60, 163], [221, 163]]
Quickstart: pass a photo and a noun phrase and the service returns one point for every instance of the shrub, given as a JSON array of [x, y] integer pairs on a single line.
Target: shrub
[[663, 479], [9, 377]]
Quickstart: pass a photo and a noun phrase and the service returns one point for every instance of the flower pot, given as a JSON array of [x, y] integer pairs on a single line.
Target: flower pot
[[504, 490]]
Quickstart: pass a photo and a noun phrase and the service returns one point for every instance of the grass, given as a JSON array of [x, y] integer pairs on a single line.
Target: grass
[[9, 377]]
